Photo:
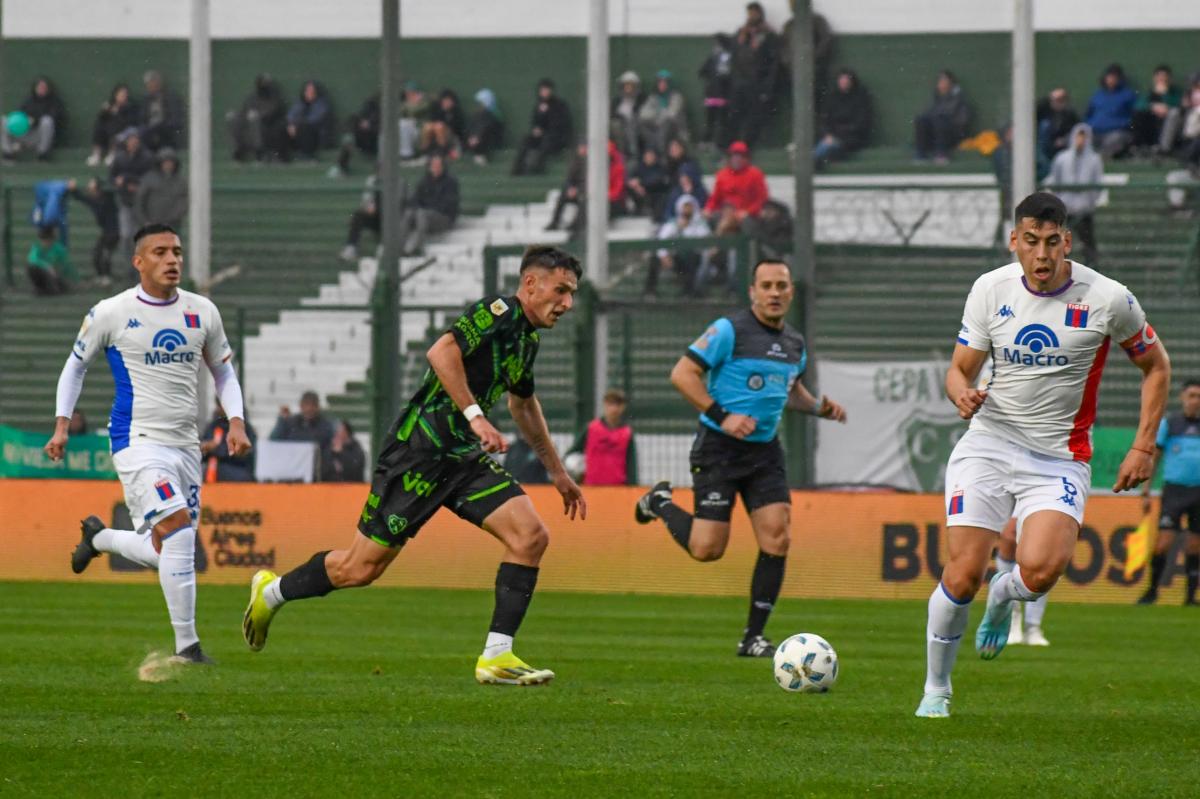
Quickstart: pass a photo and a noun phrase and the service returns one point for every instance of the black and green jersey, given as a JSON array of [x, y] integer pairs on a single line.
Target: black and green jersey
[[498, 346]]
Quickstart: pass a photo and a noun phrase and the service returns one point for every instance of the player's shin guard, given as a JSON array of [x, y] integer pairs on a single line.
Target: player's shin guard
[[943, 634], [309, 579], [514, 590], [177, 576], [678, 521], [129, 545], [764, 591]]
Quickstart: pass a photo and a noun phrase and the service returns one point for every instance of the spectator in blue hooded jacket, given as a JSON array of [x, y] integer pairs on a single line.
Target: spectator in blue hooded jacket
[[485, 129], [1110, 113]]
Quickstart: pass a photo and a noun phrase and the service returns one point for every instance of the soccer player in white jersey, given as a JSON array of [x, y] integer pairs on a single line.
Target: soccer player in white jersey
[[1048, 322], [155, 336]]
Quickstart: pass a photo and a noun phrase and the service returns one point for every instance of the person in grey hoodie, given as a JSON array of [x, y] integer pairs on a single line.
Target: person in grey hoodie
[[1077, 165], [162, 196]]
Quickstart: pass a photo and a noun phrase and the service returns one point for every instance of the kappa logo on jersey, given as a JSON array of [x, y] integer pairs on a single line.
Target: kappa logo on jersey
[[1006, 312], [132, 323], [1038, 340], [956, 503], [164, 489], [191, 320], [1077, 315], [170, 341]]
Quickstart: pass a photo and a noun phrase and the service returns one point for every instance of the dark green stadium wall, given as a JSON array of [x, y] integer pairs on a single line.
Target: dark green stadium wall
[[898, 69]]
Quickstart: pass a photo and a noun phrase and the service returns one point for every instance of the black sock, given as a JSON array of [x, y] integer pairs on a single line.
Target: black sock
[[678, 521], [514, 589], [1192, 565], [309, 579], [764, 591], [1157, 564]]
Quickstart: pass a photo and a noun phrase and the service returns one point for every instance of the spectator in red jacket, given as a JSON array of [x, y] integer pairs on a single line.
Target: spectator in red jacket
[[739, 192]]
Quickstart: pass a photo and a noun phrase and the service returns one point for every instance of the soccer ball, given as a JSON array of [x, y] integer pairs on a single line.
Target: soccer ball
[[806, 663], [574, 464]]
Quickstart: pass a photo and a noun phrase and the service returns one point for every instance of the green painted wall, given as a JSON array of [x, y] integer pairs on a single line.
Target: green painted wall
[[898, 69]]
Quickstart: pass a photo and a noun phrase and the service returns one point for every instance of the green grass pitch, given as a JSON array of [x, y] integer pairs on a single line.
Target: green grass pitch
[[371, 693]]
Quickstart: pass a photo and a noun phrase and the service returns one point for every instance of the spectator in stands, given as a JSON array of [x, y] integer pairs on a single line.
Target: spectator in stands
[[1055, 119], [162, 196], [433, 206], [1157, 116], [574, 188], [845, 123], [717, 71], [1191, 127], [128, 168], [609, 451], [682, 167], [343, 459], [941, 126], [416, 109], [1079, 165], [771, 229], [219, 465], [310, 121], [100, 200], [365, 217], [648, 185], [1110, 113], [46, 114], [686, 223], [444, 132], [623, 115], [118, 113], [738, 193], [258, 129], [549, 131], [308, 425], [163, 116], [364, 127], [485, 130], [753, 76], [48, 265], [78, 426], [663, 115], [823, 46]]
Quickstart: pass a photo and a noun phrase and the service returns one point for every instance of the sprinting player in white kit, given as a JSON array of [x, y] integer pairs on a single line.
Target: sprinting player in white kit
[[155, 336], [1048, 322], [1029, 633]]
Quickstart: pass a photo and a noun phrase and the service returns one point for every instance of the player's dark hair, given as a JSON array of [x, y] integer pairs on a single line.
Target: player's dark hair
[[761, 261], [549, 257], [1193, 383], [150, 230], [1042, 206]]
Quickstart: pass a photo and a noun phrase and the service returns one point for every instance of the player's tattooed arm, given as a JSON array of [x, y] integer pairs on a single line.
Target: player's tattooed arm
[[527, 413], [964, 369], [1139, 462]]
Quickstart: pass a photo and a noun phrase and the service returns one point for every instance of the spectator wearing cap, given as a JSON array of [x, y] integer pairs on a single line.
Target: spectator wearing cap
[[549, 131], [663, 115], [626, 107], [754, 75], [485, 130], [1110, 113], [311, 424], [607, 444], [163, 117], [739, 192]]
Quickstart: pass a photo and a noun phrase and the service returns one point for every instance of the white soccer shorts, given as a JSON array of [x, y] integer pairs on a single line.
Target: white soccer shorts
[[158, 481], [989, 480]]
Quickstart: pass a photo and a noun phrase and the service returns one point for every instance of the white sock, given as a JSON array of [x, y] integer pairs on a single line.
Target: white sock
[[1011, 586], [129, 545], [947, 622], [497, 644], [177, 576], [272, 595], [1035, 610], [1004, 565]]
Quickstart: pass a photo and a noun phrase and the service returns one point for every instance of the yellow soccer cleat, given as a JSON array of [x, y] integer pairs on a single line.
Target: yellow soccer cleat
[[508, 669], [258, 616]]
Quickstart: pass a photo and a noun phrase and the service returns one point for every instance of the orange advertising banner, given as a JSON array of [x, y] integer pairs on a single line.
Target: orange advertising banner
[[843, 544]]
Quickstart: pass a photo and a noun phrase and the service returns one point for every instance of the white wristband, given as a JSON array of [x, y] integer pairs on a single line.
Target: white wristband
[[472, 410]]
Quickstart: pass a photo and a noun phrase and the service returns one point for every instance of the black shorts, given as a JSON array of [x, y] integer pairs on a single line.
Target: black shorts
[[723, 467], [1179, 501], [410, 483]]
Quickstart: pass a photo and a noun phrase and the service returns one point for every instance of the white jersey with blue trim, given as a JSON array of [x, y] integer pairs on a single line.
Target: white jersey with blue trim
[[155, 349], [1049, 351]]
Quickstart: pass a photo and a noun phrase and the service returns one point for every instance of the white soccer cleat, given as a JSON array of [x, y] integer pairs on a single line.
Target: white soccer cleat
[[1035, 637]]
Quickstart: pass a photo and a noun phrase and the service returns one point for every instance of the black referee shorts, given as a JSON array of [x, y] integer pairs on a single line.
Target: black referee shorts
[[724, 467], [1179, 501]]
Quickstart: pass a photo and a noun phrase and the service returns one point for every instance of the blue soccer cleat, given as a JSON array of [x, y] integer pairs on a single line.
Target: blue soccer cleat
[[934, 706], [992, 635]]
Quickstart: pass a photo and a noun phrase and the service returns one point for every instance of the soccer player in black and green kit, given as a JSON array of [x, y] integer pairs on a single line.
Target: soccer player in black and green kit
[[437, 455]]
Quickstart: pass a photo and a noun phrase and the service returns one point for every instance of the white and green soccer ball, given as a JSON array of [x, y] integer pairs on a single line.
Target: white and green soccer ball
[[806, 663]]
